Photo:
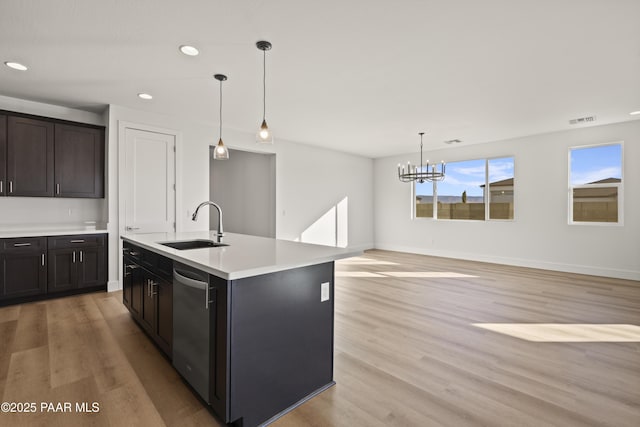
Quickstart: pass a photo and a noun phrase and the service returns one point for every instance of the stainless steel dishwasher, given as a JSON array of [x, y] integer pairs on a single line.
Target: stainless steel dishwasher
[[191, 305]]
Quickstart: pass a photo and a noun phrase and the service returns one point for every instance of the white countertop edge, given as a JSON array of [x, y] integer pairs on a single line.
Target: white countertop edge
[[11, 234], [174, 254]]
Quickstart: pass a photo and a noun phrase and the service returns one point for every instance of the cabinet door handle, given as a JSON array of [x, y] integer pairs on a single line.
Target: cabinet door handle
[[43, 260], [154, 289], [57, 188], [19, 245], [77, 241], [134, 253], [10, 187], [0, 186], [74, 256], [81, 256], [131, 228]]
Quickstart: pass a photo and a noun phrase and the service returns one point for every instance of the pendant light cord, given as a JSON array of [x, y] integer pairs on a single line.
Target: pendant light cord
[[264, 84], [220, 109]]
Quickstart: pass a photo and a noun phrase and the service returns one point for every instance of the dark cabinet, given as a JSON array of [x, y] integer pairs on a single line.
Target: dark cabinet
[[43, 157], [76, 262], [3, 154], [79, 161], [148, 293], [23, 270], [29, 157]]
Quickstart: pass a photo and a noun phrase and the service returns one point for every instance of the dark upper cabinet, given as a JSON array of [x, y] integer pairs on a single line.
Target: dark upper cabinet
[[3, 154], [79, 161], [29, 157], [23, 270]]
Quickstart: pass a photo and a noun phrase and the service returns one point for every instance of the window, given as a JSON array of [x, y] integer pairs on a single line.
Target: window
[[595, 184], [424, 200], [462, 195], [501, 184]]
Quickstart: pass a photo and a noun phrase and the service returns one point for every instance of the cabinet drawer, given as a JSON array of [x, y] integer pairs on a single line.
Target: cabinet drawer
[[24, 244], [76, 241]]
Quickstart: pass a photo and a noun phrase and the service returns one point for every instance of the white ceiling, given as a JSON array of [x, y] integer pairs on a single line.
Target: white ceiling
[[363, 76]]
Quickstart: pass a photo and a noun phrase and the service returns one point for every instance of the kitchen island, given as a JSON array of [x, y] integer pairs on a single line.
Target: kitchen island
[[249, 325]]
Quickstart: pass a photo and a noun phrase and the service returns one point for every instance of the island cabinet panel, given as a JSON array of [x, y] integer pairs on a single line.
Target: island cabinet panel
[[3, 154], [148, 293], [219, 347], [30, 157], [23, 271], [79, 161], [281, 341]]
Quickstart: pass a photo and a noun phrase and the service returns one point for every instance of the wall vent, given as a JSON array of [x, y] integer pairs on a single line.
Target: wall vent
[[582, 120], [451, 141]]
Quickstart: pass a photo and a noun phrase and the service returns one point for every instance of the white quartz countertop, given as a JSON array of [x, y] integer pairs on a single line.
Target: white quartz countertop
[[10, 234], [246, 256]]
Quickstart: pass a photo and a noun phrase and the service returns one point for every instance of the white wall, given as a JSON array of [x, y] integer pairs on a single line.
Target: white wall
[[309, 181], [18, 213], [540, 235]]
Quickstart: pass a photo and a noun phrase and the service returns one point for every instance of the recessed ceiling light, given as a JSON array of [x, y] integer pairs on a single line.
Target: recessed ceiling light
[[635, 113], [16, 66], [189, 50], [145, 96]]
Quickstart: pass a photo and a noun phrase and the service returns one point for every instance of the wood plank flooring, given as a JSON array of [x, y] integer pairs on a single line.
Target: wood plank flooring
[[412, 348]]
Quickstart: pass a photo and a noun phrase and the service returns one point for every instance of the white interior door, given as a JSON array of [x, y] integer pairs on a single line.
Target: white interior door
[[149, 187]]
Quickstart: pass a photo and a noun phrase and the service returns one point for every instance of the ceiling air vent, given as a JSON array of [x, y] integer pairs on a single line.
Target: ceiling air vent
[[452, 141], [582, 120]]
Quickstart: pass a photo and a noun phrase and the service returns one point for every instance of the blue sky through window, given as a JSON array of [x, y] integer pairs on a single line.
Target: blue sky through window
[[592, 164]]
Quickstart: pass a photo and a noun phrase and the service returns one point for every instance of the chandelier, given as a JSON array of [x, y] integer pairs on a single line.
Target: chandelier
[[423, 172]]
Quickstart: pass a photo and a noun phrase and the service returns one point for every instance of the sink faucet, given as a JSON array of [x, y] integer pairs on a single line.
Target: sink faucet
[[220, 232]]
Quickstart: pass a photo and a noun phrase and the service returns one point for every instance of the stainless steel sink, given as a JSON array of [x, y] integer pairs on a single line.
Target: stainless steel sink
[[192, 244]]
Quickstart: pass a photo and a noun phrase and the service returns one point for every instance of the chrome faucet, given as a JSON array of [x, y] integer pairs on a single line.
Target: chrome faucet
[[220, 232]]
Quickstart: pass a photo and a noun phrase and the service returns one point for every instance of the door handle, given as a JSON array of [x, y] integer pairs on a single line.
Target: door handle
[[77, 241], [57, 188], [153, 291], [43, 260], [74, 257], [131, 228], [19, 245], [80, 256], [0, 186], [10, 187]]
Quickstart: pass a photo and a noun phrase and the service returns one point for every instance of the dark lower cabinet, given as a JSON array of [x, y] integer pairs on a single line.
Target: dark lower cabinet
[[76, 262], [23, 270], [149, 296], [39, 267]]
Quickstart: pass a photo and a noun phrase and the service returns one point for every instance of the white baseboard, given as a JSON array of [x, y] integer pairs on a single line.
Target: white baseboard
[[519, 262], [113, 285]]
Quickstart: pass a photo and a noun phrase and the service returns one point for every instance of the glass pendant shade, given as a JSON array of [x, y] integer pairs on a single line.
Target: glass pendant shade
[[221, 152], [264, 135]]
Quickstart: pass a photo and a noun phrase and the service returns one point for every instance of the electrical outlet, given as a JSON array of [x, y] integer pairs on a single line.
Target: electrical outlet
[[324, 292]]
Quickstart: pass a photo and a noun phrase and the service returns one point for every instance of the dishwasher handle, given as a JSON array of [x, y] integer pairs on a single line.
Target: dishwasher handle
[[192, 283]]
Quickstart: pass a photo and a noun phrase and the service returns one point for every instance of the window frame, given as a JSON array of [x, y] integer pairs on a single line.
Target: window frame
[[486, 194], [618, 185]]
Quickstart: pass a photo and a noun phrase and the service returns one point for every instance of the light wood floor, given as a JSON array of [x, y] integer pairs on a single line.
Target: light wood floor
[[407, 352]]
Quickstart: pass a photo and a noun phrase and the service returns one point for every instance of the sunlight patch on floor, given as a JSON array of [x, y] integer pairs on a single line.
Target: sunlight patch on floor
[[571, 332], [356, 274], [358, 260], [428, 274]]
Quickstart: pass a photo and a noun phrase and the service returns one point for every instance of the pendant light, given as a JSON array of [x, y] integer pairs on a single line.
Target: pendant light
[[264, 135], [220, 152]]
